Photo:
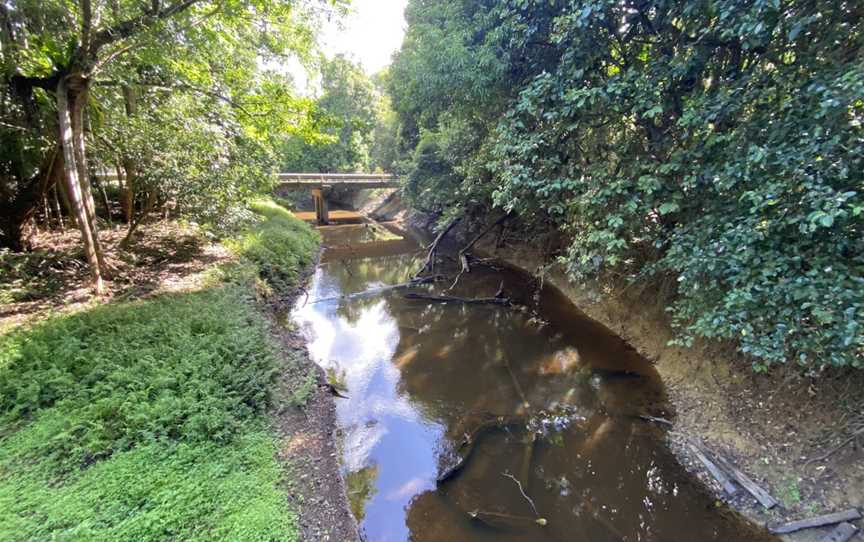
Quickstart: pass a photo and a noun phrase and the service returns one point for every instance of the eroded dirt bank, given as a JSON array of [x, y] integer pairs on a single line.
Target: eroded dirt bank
[[770, 425], [785, 429], [307, 433]]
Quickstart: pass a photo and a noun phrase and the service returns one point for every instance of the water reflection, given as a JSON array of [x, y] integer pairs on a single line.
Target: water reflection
[[548, 399]]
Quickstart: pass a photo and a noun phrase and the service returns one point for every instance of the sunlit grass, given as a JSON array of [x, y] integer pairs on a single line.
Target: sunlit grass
[[146, 420]]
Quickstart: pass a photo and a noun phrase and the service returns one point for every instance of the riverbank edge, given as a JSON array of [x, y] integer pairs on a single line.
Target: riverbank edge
[[307, 434], [697, 399], [704, 384]]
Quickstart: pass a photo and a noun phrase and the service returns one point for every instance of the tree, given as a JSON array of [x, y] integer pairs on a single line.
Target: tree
[[717, 146], [55, 52]]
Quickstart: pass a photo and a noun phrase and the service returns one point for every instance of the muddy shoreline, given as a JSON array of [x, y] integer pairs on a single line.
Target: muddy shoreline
[[308, 434]]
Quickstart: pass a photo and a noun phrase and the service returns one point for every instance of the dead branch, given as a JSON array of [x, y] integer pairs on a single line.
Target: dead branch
[[498, 519], [836, 449], [429, 264], [410, 284], [522, 491], [503, 301]]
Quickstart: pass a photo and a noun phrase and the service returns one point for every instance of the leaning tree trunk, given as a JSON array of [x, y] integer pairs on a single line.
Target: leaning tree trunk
[[77, 117], [73, 183]]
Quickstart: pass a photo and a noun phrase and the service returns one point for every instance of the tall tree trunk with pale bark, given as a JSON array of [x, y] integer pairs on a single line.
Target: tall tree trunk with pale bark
[[72, 177]]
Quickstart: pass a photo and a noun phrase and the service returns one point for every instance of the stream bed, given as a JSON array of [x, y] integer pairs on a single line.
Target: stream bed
[[471, 422]]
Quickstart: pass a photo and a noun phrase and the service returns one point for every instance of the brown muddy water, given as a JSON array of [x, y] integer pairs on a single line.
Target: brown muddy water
[[543, 396]]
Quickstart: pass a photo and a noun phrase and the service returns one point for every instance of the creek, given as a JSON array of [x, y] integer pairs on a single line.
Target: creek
[[536, 403]]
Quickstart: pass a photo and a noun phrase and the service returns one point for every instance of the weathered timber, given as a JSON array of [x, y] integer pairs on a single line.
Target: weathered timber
[[372, 291], [818, 521], [715, 471], [429, 263], [655, 419], [503, 301], [764, 498], [841, 533]]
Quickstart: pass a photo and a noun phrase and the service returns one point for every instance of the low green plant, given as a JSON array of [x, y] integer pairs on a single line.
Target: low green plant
[[146, 420], [278, 244]]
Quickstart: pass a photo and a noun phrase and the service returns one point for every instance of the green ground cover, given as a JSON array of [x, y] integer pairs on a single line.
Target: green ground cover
[[146, 420]]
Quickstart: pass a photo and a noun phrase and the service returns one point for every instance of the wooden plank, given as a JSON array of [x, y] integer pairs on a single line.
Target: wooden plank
[[715, 471], [841, 533], [764, 498], [818, 521]]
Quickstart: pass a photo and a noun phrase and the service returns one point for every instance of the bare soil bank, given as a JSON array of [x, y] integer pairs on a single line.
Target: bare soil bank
[[788, 431], [769, 425], [308, 434]]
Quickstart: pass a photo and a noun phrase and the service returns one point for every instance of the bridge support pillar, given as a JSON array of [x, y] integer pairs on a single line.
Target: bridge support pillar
[[321, 214]]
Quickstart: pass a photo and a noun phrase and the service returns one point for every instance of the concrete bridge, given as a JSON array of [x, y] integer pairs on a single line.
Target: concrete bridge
[[319, 183]]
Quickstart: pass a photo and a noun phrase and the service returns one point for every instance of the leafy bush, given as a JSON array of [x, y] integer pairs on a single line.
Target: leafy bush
[[708, 144], [279, 244]]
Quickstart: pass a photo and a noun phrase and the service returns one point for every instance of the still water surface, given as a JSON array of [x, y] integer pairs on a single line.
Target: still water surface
[[544, 396]]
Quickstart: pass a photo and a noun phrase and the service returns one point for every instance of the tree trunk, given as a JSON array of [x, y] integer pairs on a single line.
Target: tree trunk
[[80, 95], [129, 164], [73, 183], [17, 213]]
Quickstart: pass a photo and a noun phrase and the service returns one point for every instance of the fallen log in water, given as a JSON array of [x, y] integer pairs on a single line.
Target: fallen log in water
[[503, 301], [466, 447], [372, 291], [819, 521]]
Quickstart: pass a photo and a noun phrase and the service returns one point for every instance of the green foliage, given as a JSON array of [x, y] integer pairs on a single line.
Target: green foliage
[[712, 145], [279, 244], [146, 420], [355, 121], [155, 491], [141, 421]]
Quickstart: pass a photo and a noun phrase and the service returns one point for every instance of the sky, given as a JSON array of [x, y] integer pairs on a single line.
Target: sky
[[370, 34]]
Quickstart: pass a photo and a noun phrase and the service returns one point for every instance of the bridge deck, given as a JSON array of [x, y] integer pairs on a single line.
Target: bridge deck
[[308, 181]]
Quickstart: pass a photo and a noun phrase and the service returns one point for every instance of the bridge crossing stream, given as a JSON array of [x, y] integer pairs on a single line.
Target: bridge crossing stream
[[471, 422]]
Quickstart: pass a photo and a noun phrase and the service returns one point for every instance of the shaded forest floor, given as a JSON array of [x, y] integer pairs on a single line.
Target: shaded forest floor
[[178, 405], [166, 256]]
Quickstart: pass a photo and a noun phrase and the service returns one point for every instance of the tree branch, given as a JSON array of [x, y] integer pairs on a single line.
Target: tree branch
[[129, 27]]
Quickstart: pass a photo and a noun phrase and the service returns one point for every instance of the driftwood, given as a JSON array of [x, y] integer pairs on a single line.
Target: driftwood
[[429, 263], [764, 498], [500, 520], [655, 419], [503, 301], [841, 533], [715, 471], [819, 521], [372, 291]]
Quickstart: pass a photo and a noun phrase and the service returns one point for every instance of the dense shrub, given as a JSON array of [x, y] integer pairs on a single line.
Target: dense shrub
[[718, 145]]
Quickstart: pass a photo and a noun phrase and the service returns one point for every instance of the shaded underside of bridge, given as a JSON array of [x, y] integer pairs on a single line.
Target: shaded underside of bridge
[[319, 183]]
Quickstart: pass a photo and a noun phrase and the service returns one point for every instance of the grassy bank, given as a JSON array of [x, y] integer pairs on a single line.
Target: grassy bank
[[146, 420]]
